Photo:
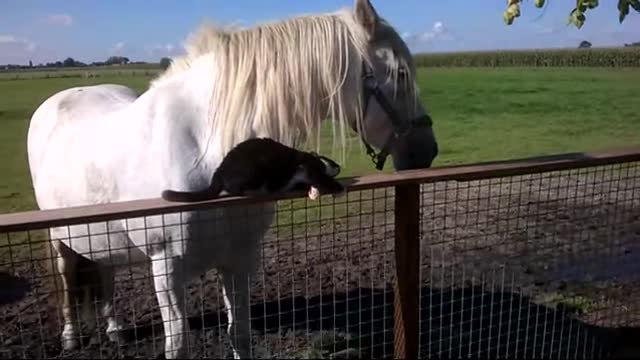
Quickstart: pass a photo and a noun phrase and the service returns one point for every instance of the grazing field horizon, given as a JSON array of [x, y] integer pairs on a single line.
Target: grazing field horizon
[[480, 114]]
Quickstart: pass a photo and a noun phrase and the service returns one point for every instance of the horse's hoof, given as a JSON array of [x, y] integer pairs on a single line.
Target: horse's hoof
[[174, 354], [70, 342], [238, 354]]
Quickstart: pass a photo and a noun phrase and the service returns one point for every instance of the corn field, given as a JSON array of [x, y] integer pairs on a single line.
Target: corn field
[[593, 57], [598, 57]]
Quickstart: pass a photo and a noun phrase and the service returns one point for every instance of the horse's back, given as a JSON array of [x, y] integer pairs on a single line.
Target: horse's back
[[59, 122], [68, 107]]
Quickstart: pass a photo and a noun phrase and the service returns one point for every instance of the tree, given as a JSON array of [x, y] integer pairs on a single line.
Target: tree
[[584, 44], [119, 60], [165, 62], [69, 62], [576, 17]]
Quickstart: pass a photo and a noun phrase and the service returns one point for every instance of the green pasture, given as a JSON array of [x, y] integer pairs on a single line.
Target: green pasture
[[84, 73], [480, 114]]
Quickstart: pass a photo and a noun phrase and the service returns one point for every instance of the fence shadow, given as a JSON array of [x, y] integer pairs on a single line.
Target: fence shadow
[[454, 323]]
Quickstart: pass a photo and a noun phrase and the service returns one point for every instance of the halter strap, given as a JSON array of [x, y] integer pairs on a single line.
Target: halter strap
[[400, 129]]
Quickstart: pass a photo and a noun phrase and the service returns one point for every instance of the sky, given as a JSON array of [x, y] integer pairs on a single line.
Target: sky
[[46, 30]]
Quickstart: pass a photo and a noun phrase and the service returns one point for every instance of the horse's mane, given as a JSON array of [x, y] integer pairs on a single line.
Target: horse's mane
[[275, 78]]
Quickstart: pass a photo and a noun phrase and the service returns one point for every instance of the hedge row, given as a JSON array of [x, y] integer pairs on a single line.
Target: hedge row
[[596, 57]]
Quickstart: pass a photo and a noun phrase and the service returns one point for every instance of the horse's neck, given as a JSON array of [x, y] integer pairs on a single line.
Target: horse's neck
[[197, 83], [179, 107]]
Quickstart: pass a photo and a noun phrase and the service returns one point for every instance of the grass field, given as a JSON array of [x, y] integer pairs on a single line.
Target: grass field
[[47, 74], [480, 115]]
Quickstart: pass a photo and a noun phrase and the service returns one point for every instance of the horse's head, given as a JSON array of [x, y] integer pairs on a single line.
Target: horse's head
[[394, 120]]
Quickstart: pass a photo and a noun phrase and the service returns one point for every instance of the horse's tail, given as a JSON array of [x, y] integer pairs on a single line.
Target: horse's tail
[[89, 285], [86, 279], [214, 189]]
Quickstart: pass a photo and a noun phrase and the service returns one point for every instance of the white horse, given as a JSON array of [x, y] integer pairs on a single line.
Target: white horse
[[100, 144]]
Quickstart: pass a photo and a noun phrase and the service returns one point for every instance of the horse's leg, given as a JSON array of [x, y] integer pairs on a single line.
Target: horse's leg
[[235, 292], [66, 261], [168, 277], [108, 282], [247, 228]]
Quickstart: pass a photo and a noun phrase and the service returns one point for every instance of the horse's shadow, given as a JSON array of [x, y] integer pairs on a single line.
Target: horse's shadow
[[453, 323], [12, 288]]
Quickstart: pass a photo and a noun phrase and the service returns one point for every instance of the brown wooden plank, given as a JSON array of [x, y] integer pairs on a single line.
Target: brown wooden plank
[[31, 220], [407, 251]]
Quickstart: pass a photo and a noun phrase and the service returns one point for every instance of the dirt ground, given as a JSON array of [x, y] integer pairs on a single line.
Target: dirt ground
[[531, 266]]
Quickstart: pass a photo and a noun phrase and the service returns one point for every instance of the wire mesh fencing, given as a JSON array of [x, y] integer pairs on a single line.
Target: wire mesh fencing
[[532, 266], [533, 263], [318, 289]]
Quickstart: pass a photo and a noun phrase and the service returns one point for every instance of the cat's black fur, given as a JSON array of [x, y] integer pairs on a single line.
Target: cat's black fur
[[263, 165]]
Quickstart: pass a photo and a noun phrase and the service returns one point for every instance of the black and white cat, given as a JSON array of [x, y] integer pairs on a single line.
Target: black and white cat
[[265, 166]]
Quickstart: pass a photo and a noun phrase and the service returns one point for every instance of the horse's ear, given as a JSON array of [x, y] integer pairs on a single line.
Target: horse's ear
[[366, 15]]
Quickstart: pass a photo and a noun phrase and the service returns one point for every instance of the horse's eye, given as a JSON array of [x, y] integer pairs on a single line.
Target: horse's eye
[[403, 72]]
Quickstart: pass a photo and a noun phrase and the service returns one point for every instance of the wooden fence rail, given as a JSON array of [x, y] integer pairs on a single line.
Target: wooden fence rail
[[407, 217]]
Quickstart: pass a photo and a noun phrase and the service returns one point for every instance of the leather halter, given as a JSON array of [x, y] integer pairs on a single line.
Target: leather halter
[[400, 128]]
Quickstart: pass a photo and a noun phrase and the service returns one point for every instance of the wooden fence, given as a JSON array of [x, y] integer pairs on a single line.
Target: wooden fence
[[407, 216]]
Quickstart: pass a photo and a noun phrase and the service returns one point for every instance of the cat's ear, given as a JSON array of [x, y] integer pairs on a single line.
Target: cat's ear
[[330, 161]]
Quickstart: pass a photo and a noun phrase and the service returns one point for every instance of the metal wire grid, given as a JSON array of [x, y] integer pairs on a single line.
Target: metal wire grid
[[497, 256], [533, 266], [322, 288]]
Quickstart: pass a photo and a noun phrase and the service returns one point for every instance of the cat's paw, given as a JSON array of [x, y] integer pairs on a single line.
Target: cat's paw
[[314, 193]]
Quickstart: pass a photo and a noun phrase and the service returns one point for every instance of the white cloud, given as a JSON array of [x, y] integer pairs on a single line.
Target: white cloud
[[119, 46], [438, 27], [7, 39], [60, 19], [168, 49], [438, 31], [26, 44]]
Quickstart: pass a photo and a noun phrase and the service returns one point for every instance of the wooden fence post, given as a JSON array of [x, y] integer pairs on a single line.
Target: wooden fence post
[[407, 286]]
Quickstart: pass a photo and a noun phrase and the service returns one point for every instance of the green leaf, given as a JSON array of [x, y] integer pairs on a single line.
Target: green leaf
[[577, 16], [508, 19], [623, 7], [635, 4]]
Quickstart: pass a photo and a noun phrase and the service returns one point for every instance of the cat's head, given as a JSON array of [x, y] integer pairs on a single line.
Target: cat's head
[[331, 168]]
